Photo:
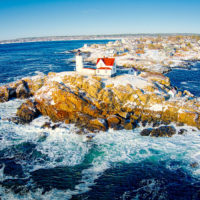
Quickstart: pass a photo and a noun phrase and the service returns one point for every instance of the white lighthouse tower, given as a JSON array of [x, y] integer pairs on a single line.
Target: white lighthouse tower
[[79, 62]]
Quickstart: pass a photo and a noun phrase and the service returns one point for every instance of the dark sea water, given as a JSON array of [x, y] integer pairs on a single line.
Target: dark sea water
[[27, 59], [38, 163], [187, 79]]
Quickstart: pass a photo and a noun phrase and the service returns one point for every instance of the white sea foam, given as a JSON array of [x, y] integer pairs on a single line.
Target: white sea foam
[[1, 173], [63, 147], [184, 83], [39, 73]]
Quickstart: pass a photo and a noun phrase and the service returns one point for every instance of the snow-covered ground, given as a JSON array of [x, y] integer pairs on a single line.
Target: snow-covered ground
[[148, 53]]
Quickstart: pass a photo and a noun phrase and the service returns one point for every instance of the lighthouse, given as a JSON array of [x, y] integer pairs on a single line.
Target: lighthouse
[[104, 66], [79, 61]]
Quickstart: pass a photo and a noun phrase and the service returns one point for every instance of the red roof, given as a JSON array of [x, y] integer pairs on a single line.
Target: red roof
[[105, 68], [107, 61]]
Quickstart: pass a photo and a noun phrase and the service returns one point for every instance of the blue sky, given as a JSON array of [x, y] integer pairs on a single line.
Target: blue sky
[[34, 18]]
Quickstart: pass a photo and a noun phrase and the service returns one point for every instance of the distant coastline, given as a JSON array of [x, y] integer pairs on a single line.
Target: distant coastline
[[86, 37]]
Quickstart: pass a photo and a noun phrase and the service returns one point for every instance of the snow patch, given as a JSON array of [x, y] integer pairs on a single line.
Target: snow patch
[[156, 107], [134, 81]]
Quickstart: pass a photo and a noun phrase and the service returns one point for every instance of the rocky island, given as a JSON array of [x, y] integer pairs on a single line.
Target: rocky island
[[96, 104], [125, 101]]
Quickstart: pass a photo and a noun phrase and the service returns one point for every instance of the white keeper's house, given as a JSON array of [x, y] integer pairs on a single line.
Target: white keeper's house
[[104, 66]]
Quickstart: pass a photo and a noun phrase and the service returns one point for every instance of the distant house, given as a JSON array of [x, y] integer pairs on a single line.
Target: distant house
[[104, 66], [133, 71]]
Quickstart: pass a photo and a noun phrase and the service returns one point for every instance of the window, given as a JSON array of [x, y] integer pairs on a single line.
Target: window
[[106, 71]]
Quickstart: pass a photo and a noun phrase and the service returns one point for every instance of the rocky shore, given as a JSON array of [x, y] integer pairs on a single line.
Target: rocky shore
[[96, 104], [146, 53]]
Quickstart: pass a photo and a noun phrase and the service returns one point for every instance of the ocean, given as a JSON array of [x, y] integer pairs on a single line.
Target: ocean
[[187, 79], [44, 164]]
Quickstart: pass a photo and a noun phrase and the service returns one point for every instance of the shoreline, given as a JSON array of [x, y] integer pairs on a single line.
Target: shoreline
[[152, 54], [96, 104], [90, 37], [21, 41]]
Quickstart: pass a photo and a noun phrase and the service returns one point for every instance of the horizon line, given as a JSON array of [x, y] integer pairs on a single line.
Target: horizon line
[[94, 35]]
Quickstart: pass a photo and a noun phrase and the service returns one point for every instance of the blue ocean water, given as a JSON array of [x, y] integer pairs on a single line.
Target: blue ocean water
[[27, 59], [38, 163], [187, 79]]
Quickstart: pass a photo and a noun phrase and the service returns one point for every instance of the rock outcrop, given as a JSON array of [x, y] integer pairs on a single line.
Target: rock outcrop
[[95, 103], [98, 124], [27, 112], [4, 94], [22, 89], [163, 131]]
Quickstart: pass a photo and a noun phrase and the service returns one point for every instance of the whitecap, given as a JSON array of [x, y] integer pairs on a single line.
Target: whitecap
[[184, 83], [63, 147]]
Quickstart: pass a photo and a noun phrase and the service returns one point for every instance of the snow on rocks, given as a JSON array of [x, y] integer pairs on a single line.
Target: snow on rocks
[[73, 98], [134, 81], [154, 54]]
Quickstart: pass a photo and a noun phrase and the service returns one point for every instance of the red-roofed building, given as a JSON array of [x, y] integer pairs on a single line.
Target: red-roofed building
[[105, 66], [106, 61]]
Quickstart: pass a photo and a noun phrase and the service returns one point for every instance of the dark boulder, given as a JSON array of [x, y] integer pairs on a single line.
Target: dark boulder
[[22, 91], [182, 131], [156, 123], [27, 112], [144, 123], [146, 132], [163, 131]]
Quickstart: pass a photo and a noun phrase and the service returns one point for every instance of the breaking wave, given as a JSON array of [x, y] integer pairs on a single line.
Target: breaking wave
[[38, 163]]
